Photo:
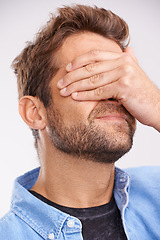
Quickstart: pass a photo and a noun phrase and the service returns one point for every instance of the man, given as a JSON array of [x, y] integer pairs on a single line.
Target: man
[[80, 90]]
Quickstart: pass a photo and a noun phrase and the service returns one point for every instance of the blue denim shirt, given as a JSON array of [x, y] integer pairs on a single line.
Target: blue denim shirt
[[137, 194]]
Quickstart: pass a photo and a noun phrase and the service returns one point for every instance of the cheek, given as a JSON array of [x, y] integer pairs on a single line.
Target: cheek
[[73, 111]]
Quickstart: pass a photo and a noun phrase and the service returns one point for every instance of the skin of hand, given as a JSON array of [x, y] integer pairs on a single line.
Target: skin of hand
[[99, 75]]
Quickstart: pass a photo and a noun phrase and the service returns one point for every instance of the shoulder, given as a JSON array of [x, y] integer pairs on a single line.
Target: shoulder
[[144, 169], [145, 183], [142, 212], [13, 227], [7, 225], [147, 175], [6, 219]]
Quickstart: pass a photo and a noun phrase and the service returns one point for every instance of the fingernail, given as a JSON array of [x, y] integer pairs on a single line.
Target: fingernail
[[74, 95], [62, 91], [60, 83], [69, 67]]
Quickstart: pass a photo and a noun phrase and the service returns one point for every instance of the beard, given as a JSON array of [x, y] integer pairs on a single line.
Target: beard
[[92, 141]]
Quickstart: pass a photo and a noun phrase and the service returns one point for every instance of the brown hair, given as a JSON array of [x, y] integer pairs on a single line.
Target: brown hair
[[35, 66]]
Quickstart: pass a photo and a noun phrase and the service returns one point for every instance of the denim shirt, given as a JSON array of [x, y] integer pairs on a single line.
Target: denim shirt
[[136, 191]]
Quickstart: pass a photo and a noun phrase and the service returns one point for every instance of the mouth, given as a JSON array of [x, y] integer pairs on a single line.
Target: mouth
[[112, 117], [111, 112]]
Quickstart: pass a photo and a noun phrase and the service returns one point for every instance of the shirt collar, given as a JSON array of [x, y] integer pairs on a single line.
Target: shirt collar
[[45, 219], [121, 188]]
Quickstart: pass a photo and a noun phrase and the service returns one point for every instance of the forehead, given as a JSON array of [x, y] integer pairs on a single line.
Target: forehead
[[78, 44]]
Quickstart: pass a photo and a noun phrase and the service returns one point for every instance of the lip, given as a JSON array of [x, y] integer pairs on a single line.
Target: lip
[[113, 117]]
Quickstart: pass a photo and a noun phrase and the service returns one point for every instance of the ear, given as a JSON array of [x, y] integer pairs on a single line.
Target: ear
[[32, 112]]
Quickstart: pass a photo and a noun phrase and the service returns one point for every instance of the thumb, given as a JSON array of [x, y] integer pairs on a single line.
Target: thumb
[[129, 50]]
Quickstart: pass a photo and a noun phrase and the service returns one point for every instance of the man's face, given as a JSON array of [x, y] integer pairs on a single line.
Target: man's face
[[77, 128]]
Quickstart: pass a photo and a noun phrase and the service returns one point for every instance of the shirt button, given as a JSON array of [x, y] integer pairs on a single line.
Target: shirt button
[[70, 223], [51, 236], [123, 179]]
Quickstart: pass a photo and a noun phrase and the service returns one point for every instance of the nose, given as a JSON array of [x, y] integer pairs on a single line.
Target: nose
[[113, 101]]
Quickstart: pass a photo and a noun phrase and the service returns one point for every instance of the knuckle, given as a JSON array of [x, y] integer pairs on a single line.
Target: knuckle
[[98, 92], [94, 52], [90, 67], [94, 79], [126, 58], [126, 69], [125, 83]]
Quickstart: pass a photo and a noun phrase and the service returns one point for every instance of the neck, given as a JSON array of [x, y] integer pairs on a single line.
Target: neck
[[74, 182]]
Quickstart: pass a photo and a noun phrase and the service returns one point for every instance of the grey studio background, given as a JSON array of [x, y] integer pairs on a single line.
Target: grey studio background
[[19, 21]]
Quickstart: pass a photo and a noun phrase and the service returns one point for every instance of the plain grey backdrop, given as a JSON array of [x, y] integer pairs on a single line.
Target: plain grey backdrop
[[19, 21]]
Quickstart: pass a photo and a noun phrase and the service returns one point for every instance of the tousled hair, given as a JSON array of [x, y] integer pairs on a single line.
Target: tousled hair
[[36, 65]]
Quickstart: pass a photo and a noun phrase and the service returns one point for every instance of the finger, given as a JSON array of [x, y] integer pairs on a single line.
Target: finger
[[90, 57], [89, 71], [93, 82], [129, 50], [102, 93]]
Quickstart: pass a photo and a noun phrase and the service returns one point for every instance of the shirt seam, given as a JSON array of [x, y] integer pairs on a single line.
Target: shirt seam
[[5, 218], [30, 222]]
